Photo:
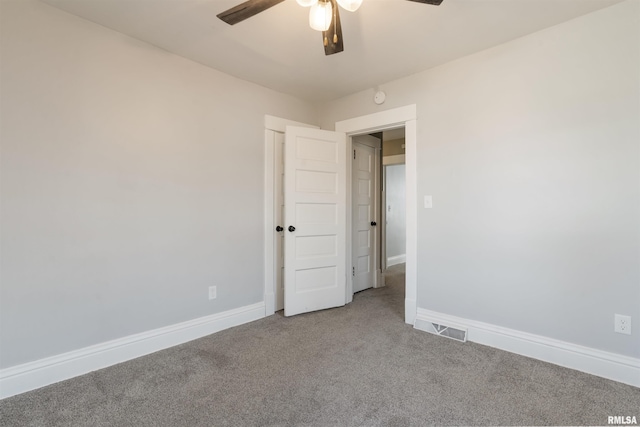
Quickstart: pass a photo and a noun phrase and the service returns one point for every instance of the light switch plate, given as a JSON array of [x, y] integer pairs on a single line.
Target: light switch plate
[[428, 202]]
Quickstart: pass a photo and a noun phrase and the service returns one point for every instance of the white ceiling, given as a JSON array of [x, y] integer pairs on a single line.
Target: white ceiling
[[384, 40]]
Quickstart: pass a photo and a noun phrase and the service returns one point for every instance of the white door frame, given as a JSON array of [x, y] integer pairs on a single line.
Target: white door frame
[[403, 116], [271, 125], [383, 219]]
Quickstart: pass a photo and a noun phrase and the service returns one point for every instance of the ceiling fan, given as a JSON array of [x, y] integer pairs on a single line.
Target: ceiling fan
[[324, 16]]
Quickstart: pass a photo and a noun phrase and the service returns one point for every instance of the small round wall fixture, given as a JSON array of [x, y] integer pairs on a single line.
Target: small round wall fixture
[[379, 97]]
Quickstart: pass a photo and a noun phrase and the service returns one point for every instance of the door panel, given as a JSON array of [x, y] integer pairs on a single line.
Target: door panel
[[315, 204], [364, 199]]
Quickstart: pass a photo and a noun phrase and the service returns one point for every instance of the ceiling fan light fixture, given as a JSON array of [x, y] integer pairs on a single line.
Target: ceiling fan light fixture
[[307, 3], [320, 15], [323, 15], [350, 5]]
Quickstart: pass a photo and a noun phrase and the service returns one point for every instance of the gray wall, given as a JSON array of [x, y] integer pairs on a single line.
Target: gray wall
[[396, 244], [393, 147], [531, 151], [132, 180]]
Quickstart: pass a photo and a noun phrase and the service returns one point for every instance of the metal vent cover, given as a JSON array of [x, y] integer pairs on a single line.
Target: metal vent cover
[[455, 333]]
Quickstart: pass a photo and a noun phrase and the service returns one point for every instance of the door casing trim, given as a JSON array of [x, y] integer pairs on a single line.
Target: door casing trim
[[394, 118]]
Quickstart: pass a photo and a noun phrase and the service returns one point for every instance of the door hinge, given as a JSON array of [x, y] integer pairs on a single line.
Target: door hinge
[[353, 271], [354, 154]]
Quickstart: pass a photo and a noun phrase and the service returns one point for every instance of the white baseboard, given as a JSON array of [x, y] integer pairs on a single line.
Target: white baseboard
[[32, 375], [398, 259], [612, 366]]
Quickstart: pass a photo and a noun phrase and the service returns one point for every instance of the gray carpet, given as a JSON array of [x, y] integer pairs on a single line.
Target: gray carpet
[[358, 365]]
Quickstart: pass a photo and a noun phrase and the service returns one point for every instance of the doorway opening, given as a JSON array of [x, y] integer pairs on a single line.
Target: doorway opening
[[378, 212], [383, 121]]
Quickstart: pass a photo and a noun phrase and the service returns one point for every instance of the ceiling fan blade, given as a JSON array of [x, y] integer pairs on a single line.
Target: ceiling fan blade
[[246, 10], [332, 38], [433, 2]]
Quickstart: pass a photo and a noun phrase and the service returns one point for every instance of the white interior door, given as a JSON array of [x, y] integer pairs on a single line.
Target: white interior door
[[315, 220], [364, 220]]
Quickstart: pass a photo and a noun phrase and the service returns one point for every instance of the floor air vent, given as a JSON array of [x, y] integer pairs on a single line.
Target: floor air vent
[[457, 333]]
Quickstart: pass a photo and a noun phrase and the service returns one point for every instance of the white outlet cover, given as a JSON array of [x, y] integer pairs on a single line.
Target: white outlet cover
[[622, 324], [213, 292], [428, 202]]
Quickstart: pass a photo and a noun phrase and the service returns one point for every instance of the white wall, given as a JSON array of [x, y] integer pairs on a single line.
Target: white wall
[[132, 180], [531, 151], [396, 214]]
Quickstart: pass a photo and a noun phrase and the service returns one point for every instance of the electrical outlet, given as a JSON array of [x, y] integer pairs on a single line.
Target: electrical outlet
[[213, 292], [622, 324]]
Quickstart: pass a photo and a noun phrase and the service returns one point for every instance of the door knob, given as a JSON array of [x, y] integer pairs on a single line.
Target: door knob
[[278, 228], [292, 228], [373, 223]]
